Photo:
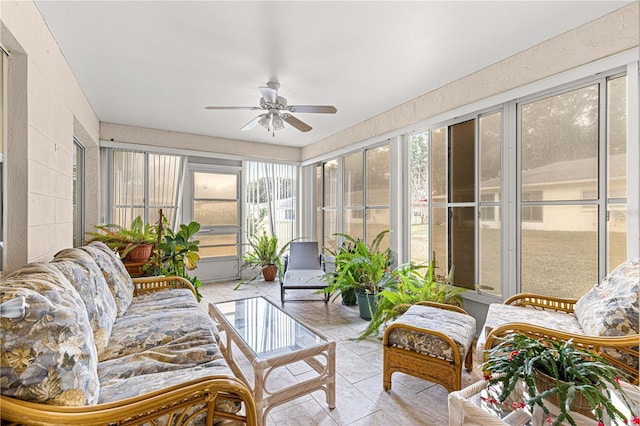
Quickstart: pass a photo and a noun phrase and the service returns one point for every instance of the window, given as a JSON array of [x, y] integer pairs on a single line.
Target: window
[[490, 136], [568, 185], [363, 198], [616, 185], [377, 195], [573, 187], [419, 196], [271, 199], [78, 193], [327, 205], [460, 229], [141, 184], [216, 208], [353, 194], [531, 213]]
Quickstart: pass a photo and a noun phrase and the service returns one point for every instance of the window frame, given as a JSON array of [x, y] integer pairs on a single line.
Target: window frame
[[79, 176], [512, 202], [108, 180], [340, 208], [3, 132], [602, 201]]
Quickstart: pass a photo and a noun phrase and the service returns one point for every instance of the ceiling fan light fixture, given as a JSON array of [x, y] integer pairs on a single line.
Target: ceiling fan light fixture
[[277, 112], [264, 121], [277, 122]]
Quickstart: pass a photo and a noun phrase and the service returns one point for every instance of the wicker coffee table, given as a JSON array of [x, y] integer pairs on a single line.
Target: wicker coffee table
[[270, 339]]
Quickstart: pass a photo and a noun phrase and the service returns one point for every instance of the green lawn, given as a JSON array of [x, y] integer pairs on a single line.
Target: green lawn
[[557, 263]]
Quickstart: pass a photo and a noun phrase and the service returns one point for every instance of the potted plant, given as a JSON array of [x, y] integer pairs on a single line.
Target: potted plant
[[264, 255], [176, 252], [408, 285], [362, 268], [134, 244], [571, 378]]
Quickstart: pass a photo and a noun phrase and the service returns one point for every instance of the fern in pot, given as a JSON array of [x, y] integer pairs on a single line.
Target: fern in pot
[[264, 257], [408, 284], [363, 268], [557, 372]]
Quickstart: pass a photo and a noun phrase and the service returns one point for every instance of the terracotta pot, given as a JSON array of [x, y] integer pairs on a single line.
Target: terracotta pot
[[545, 382], [269, 272], [142, 253]]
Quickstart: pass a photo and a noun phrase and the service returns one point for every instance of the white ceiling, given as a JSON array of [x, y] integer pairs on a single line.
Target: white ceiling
[[158, 64]]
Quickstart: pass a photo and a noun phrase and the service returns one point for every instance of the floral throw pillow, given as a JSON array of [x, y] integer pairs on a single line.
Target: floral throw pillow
[[83, 273], [118, 279], [47, 355], [610, 308]]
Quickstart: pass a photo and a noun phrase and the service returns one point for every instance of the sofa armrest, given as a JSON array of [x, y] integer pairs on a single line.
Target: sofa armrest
[[542, 302], [442, 306], [176, 402], [627, 346], [150, 284]]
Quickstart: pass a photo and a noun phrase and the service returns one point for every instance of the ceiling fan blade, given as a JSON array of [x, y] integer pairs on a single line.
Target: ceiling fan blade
[[253, 123], [269, 94], [300, 125], [246, 108], [325, 109]]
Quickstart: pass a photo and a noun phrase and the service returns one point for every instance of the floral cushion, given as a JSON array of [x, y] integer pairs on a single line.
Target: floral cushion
[[117, 390], [142, 331], [170, 356], [500, 314], [83, 273], [157, 301], [610, 308], [47, 356], [118, 279], [459, 327]]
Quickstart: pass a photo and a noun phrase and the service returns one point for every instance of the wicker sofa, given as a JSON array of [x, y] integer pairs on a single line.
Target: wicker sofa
[[605, 320], [83, 343]]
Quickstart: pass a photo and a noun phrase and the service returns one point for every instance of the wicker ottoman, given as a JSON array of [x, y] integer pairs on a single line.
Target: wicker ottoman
[[429, 341]]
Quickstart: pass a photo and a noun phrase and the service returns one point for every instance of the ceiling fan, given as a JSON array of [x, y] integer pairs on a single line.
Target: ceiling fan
[[277, 112]]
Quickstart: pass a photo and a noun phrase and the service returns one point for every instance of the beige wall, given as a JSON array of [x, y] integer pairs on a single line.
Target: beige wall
[[617, 32], [46, 109], [197, 143]]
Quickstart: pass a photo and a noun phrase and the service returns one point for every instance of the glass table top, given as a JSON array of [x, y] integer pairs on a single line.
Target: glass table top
[[266, 329]]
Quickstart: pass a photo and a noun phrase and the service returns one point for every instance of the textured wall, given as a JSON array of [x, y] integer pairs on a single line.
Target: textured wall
[[204, 144], [610, 34], [55, 107]]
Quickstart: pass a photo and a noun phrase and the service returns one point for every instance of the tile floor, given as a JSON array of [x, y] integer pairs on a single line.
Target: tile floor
[[360, 399]]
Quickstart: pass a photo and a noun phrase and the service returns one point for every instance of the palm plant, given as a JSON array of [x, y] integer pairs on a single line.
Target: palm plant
[[407, 285], [263, 252], [573, 374]]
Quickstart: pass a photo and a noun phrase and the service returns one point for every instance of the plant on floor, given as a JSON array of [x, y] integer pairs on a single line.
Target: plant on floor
[[263, 257], [125, 241], [574, 376], [361, 267], [408, 284], [176, 252]]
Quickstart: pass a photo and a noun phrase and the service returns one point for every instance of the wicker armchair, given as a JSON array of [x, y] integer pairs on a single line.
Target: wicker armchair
[[621, 351]]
